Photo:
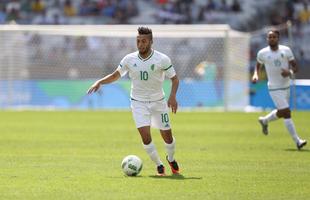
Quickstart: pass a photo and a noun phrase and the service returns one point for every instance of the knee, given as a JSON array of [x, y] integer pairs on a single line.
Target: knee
[[146, 141], [285, 113], [169, 140], [167, 136]]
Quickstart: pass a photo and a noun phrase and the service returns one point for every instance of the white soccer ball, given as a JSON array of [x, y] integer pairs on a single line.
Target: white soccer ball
[[132, 165]]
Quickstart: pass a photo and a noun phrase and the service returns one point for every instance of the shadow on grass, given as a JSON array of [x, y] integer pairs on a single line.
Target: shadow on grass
[[176, 177], [301, 150], [172, 177]]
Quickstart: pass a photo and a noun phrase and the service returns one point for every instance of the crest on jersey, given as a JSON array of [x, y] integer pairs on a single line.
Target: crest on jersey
[[135, 65], [282, 55], [152, 67], [277, 63]]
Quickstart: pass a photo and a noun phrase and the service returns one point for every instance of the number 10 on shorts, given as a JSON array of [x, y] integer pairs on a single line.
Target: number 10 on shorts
[[164, 118]]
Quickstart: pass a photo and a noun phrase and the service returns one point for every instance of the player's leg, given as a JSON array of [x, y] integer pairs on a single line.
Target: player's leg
[[160, 120], [148, 145], [290, 126], [272, 116], [169, 141], [281, 100], [277, 98], [264, 120], [142, 118]]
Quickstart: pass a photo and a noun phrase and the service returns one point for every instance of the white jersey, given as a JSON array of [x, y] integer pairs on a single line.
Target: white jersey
[[147, 74], [274, 62]]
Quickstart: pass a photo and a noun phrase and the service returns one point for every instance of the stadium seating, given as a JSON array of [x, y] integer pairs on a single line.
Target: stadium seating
[[241, 15]]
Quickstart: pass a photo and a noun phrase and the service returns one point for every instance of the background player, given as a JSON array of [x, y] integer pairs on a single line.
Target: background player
[[280, 65]]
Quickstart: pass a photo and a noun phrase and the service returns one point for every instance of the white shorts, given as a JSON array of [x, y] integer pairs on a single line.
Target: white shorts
[[280, 98], [153, 114]]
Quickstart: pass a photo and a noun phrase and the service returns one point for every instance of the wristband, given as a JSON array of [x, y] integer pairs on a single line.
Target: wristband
[[291, 72]]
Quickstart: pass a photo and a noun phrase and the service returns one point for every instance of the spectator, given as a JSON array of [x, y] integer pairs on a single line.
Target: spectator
[[201, 12], [211, 5], [236, 7], [161, 2], [25, 6], [54, 9], [85, 8], [304, 15], [188, 2], [57, 19], [13, 4], [69, 9], [41, 19], [13, 10], [275, 18], [37, 6], [109, 10], [168, 14], [120, 17], [223, 6], [188, 16], [2, 14], [289, 10], [132, 8]]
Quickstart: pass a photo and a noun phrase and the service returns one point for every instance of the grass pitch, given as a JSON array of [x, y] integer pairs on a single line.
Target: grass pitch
[[77, 155]]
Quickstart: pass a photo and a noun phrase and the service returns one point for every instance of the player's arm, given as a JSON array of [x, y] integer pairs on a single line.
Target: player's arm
[[294, 66], [105, 80], [172, 102], [256, 72], [292, 69]]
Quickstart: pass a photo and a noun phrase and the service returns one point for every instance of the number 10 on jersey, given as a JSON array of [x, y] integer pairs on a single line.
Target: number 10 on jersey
[[144, 76]]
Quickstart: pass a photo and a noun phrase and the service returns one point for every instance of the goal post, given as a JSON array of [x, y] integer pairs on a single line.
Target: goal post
[[52, 66]]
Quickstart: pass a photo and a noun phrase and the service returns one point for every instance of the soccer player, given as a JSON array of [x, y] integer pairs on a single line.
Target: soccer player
[[280, 65], [147, 69]]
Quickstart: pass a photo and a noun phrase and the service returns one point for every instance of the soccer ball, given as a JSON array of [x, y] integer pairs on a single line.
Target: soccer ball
[[132, 165]]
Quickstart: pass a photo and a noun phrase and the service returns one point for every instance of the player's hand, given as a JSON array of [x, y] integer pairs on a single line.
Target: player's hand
[[285, 73], [255, 78], [173, 104], [94, 88]]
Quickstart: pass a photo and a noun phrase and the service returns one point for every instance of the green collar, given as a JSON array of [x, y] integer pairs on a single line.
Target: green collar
[[147, 58]]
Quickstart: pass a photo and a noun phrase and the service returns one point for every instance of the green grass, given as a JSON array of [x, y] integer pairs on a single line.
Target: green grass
[[77, 155]]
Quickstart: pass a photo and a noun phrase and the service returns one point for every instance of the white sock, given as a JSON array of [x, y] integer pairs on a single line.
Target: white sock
[[170, 148], [291, 129], [151, 150], [270, 116]]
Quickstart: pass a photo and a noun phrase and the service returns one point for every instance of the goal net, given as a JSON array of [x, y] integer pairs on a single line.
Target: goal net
[[53, 66]]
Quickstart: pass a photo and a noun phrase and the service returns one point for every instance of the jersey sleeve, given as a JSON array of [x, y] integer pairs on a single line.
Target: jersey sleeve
[[260, 58], [289, 54], [168, 67], [123, 67]]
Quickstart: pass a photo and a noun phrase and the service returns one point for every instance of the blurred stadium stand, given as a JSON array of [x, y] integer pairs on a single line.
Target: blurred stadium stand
[[238, 13], [251, 16], [242, 15]]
